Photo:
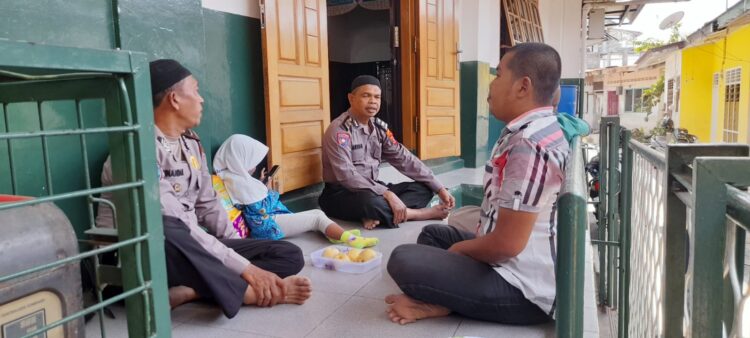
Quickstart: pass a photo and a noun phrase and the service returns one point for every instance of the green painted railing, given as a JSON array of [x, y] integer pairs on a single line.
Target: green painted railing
[[675, 231], [571, 238], [120, 80]]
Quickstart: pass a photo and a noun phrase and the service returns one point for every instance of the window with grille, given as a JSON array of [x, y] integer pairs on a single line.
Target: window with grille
[[634, 100], [670, 94], [677, 95], [522, 18], [732, 104]]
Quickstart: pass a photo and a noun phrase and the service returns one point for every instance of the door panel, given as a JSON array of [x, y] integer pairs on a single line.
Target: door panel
[[295, 66], [439, 102], [613, 103]]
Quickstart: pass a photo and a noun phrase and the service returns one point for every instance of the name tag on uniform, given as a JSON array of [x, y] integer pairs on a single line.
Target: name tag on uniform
[[173, 172], [356, 146]]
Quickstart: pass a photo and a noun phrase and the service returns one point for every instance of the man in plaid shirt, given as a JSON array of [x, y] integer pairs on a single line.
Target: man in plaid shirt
[[505, 270]]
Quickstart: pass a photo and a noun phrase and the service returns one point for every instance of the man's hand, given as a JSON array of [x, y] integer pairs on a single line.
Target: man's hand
[[456, 248], [269, 288], [397, 206], [446, 199]]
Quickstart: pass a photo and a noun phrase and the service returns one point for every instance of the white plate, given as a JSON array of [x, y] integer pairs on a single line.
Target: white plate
[[351, 267]]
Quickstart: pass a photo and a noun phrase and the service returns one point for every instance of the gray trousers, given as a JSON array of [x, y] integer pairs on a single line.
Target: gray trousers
[[428, 272]]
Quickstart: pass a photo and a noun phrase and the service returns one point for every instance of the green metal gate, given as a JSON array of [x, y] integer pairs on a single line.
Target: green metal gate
[[672, 236], [35, 79], [571, 245]]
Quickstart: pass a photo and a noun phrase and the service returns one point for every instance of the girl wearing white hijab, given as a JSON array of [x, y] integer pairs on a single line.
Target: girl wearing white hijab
[[264, 214]]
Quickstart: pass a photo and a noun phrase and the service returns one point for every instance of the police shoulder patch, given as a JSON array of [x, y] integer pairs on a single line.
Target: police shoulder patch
[[390, 137], [343, 139]]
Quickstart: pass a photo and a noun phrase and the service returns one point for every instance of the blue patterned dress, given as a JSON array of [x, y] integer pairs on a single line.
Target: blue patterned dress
[[258, 217]]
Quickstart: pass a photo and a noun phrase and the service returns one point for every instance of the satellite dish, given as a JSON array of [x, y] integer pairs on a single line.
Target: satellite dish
[[671, 20]]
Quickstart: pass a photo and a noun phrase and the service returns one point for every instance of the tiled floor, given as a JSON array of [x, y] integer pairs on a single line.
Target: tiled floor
[[346, 305]]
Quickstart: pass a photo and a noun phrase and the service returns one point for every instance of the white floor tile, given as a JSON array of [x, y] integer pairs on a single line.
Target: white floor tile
[[195, 331], [278, 321], [309, 241], [476, 328], [114, 328], [339, 282], [363, 317], [379, 287]]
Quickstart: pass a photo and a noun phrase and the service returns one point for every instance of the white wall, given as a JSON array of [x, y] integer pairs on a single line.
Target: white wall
[[361, 35], [561, 23], [479, 31], [672, 70], [638, 120], [250, 8]]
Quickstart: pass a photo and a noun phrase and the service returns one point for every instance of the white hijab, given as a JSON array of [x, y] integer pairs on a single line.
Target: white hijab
[[236, 157]]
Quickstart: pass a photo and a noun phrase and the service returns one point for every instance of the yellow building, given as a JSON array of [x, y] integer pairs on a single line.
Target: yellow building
[[715, 80]]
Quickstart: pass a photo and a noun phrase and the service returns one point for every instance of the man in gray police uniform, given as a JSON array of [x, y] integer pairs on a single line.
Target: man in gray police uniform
[[353, 147], [215, 264]]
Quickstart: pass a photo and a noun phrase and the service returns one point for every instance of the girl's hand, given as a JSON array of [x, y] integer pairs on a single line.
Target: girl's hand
[[272, 184]]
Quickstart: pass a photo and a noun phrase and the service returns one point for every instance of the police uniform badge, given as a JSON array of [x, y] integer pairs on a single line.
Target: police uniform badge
[[194, 162], [177, 187], [343, 139], [164, 144]]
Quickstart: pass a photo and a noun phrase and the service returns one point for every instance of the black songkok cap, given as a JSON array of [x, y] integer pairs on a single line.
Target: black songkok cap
[[364, 80], [165, 73]]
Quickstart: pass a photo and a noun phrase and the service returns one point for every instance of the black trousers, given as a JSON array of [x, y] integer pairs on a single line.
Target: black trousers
[[190, 265], [428, 272], [354, 205]]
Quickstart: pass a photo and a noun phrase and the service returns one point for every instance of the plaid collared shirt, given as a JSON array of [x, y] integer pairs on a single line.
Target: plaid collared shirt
[[525, 172]]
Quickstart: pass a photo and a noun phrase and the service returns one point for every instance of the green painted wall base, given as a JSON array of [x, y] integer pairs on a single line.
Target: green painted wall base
[[475, 117], [465, 195], [303, 199], [445, 164]]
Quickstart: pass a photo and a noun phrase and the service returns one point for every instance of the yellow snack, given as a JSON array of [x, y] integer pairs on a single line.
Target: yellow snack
[[342, 257], [354, 254], [330, 252], [366, 255]]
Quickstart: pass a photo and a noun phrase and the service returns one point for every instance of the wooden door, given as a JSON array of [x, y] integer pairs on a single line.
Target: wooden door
[[439, 101], [295, 67], [613, 103]]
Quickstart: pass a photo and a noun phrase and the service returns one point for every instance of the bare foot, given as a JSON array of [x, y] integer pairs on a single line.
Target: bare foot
[[370, 224], [179, 295], [437, 212], [297, 289], [402, 309]]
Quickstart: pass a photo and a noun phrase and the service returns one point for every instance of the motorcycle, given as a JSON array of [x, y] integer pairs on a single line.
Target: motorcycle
[[592, 169], [673, 135]]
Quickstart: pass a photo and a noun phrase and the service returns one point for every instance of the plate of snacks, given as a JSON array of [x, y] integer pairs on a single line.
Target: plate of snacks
[[346, 259]]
